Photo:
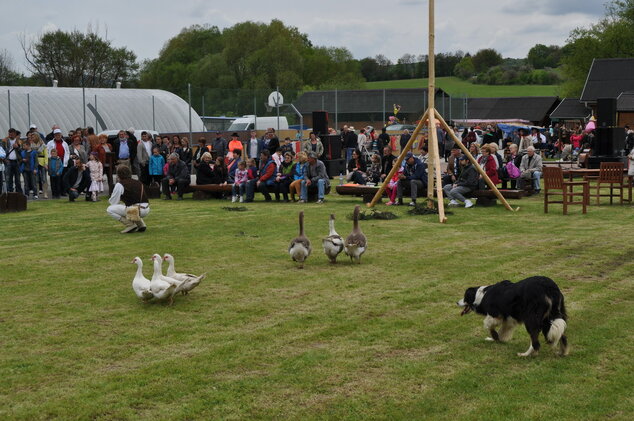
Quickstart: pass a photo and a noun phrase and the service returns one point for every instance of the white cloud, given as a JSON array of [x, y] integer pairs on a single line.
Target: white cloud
[[365, 27]]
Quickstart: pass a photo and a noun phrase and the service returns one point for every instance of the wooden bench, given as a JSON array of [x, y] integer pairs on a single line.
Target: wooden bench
[[367, 192], [488, 197], [485, 197], [206, 191]]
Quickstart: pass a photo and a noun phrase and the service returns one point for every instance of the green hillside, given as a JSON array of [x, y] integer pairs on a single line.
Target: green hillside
[[458, 87]]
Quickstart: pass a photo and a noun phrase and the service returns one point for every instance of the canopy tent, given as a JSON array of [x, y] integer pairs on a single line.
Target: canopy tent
[[103, 109]]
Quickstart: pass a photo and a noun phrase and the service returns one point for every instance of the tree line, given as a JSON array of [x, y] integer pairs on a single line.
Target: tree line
[[260, 56]]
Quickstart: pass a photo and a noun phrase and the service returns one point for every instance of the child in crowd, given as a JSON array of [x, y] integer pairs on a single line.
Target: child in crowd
[[240, 183], [96, 175], [55, 168], [374, 172], [299, 170], [252, 171], [391, 188], [28, 169], [157, 162]]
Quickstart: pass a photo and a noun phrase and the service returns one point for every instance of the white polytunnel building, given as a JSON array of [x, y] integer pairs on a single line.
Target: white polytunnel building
[[103, 109]]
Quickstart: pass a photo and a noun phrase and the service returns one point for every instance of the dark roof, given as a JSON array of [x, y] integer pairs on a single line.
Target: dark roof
[[524, 108], [571, 109], [625, 102], [607, 78], [365, 101]]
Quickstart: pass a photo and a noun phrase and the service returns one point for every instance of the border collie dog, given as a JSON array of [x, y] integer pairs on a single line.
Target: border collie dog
[[536, 301]]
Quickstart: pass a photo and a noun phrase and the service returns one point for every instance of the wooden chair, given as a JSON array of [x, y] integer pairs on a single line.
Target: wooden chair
[[610, 173], [554, 180]]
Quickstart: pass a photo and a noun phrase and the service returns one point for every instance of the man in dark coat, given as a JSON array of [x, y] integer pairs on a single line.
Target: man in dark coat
[[177, 177], [466, 182], [77, 180], [125, 148], [219, 145], [415, 176]]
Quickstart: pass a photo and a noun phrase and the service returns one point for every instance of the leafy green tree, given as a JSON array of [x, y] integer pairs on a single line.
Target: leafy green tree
[[8, 76], [231, 66], [485, 59], [611, 37], [465, 68], [541, 56], [78, 59]]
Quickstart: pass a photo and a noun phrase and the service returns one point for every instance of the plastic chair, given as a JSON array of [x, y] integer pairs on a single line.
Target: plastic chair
[[554, 180]]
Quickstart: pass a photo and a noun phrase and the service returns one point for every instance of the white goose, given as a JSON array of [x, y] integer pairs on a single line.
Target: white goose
[[161, 286], [333, 244], [300, 249], [141, 284], [356, 243], [189, 281]]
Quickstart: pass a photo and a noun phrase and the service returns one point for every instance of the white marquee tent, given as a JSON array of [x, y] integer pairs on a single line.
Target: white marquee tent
[[105, 109]]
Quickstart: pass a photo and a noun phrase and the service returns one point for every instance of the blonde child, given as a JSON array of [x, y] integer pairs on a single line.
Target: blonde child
[[96, 175]]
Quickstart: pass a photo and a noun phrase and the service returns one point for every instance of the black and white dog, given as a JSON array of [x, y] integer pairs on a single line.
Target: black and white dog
[[536, 301]]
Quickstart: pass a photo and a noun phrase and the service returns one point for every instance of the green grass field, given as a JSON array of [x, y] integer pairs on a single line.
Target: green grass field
[[260, 339], [457, 87]]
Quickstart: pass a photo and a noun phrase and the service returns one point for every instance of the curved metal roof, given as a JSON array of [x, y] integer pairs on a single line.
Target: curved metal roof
[[106, 109]]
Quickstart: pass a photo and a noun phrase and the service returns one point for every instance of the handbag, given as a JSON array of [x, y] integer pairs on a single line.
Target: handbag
[[133, 212], [512, 170]]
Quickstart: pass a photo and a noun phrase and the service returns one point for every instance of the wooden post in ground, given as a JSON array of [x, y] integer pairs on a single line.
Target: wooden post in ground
[[433, 171], [431, 114]]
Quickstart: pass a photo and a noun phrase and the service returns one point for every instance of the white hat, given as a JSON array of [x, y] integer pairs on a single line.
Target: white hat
[[33, 126], [57, 131]]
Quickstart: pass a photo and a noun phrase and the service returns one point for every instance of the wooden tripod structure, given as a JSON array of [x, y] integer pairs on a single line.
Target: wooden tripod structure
[[429, 118]]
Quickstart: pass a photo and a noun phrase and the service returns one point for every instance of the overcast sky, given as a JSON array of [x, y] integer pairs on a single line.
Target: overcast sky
[[365, 27]]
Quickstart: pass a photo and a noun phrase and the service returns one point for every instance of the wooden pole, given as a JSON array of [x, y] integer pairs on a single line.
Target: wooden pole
[[431, 100], [399, 160], [433, 171], [484, 175]]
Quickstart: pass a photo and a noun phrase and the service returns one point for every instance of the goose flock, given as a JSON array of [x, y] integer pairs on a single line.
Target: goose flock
[[162, 287], [354, 245]]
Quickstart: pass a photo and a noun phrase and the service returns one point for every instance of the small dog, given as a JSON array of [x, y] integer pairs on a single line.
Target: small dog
[[536, 301]]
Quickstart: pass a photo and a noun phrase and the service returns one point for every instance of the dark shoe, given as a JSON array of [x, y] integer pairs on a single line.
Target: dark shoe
[[167, 198]]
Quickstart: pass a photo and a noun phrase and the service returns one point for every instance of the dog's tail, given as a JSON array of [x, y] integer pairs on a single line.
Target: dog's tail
[[558, 326]]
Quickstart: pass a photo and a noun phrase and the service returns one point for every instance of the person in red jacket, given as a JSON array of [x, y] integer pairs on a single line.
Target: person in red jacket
[[489, 163]]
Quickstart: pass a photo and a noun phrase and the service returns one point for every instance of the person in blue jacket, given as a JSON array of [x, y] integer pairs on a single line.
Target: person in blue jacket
[[28, 169], [414, 176]]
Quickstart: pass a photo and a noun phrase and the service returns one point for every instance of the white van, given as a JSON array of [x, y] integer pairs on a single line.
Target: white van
[[251, 122]]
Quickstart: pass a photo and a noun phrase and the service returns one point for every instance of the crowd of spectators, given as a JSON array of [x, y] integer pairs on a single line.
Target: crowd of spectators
[[75, 164]]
